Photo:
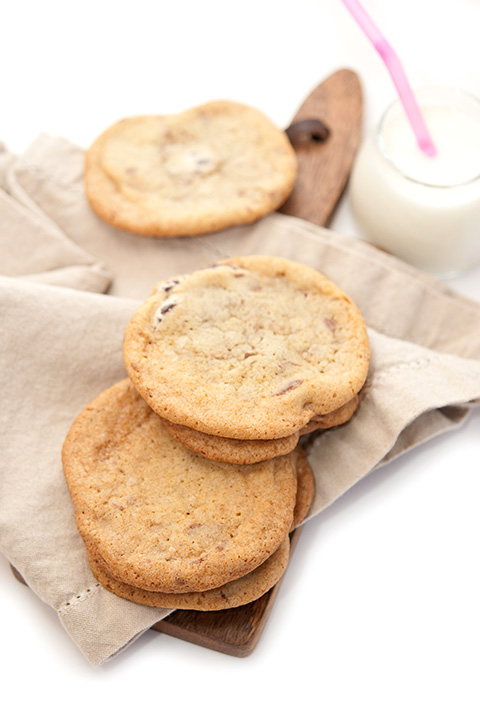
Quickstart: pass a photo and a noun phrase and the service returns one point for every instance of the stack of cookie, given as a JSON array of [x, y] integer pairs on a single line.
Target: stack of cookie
[[242, 358], [187, 477]]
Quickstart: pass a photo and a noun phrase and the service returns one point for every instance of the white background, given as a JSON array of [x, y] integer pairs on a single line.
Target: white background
[[378, 613]]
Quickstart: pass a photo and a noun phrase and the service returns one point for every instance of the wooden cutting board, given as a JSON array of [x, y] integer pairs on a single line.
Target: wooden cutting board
[[325, 133]]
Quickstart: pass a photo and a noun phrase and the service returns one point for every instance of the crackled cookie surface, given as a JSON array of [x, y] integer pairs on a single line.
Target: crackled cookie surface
[[252, 348], [233, 594], [202, 170], [159, 516]]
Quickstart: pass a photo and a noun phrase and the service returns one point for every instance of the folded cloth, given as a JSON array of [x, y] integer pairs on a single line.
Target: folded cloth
[[68, 286]]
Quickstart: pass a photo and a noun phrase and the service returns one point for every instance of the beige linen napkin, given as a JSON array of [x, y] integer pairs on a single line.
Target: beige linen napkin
[[68, 286]]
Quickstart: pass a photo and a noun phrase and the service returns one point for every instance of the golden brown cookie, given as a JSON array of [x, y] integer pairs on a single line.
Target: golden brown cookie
[[238, 592], [232, 594], [305, 486], [242, 452], [334, 418], [231, 450], [252, 348], [210, 167], [161, 517]]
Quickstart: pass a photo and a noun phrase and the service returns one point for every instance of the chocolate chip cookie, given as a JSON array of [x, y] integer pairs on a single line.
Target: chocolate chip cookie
[[205, 169], [160, 517], [233, 594], [252, 348], [234, 450]]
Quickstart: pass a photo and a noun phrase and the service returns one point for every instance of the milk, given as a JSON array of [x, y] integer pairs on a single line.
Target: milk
[[424, 210]]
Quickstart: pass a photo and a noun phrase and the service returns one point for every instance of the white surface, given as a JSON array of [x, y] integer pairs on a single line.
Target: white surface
[[378, 613]]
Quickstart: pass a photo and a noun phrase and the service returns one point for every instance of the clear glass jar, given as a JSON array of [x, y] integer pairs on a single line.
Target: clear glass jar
[[424, 210]]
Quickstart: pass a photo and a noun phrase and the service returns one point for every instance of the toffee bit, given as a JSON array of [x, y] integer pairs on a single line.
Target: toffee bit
[[194, 526], [289, 387], [331, 324], [287, 365]]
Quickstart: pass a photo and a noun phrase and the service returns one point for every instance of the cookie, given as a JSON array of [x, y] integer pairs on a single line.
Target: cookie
[[234, 450], [251, 348], [161, 517], [205, 169], [233, 594], [305, 487], [334, 418], [231, 450]]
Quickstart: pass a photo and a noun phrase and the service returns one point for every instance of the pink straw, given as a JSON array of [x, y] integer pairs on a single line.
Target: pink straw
[[394, 66]]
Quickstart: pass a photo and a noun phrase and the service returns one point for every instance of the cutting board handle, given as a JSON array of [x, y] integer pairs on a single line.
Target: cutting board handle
[[325, 157]]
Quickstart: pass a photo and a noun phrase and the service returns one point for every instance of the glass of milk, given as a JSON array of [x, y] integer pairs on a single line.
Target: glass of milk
[[425, 210]]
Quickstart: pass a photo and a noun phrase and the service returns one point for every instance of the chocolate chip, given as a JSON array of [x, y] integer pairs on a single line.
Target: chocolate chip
[[167, 307], [162, 310], [168, 286]]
